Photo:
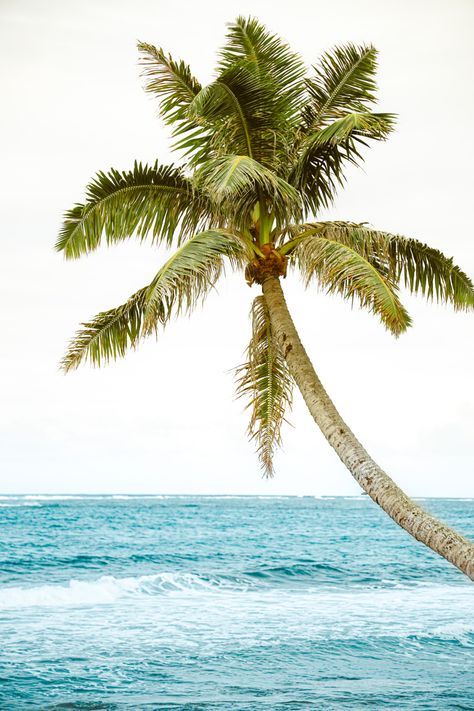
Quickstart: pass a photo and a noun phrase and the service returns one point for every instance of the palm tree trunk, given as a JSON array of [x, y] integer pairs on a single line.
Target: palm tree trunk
[[378, 485]]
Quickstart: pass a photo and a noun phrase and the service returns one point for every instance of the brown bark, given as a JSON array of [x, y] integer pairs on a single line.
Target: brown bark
[[379, 486]]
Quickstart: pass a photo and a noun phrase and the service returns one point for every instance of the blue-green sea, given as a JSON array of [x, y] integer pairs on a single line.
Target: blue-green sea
[[228, 602]]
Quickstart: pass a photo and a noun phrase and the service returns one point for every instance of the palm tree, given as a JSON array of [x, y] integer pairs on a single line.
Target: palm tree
[[265, 148]]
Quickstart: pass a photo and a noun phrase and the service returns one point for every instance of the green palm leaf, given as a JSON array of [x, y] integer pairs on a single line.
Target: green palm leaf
[[239, 109], [409, 262], [109, 335], [190, 273], [335, 123], [250, 43], [148, 200], [428, 271], [176, 87], [323, 154], [370, 125], [171, 81], [235, 182], [184, 280], [341, 268], [343, 82], [226, 105], [266, 381]]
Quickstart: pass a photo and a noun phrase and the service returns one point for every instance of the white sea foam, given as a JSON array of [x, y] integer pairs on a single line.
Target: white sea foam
[[455, 630], [136, 496], [359, 603], [109, 589], [53, 497]]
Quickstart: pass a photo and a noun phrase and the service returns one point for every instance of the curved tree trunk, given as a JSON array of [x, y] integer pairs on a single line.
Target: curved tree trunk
[[378, 485]]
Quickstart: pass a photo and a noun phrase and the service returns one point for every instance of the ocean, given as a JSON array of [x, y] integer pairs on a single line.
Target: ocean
[[229, 602]]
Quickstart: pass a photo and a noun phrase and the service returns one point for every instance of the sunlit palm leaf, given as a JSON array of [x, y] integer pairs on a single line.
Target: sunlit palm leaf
[[184, 280], [265, 380], [418, 267], [235, 182], [368, 125], [428, 271], [156, 201], [340, 268], [108, 335], [190, 273]]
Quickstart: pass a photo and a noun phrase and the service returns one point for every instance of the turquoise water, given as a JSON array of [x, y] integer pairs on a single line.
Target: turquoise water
[[274, 604]]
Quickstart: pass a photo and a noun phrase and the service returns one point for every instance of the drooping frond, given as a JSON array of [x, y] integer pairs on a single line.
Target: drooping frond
[[190, 273], [265, 380], [108, 335], [323, 154], [235, 182], [343, 83], [340, 268], [186, 278], [427, 270], [408, 262], [156, 201], [249, 43]]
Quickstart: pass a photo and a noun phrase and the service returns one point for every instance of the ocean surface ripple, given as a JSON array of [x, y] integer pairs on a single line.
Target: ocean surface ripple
[[227, 602]]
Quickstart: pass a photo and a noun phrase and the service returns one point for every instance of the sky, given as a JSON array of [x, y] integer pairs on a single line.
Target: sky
[[165, 419]]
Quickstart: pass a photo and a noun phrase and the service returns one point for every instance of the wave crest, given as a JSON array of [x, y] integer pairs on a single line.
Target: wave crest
[[109, 589]]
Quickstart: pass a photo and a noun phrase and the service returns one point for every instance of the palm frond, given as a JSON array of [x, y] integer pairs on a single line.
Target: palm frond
[[343, 82], [427, 270], [249, 43], [239, 109], [220, 105], [109, 335], [190, 273], [369, 125], [176, 87], [171, 81], [319, 171], [235, 183], [323, 155], [184, 280], [340, 268], [265, 380], [408, 262], [155, 201]]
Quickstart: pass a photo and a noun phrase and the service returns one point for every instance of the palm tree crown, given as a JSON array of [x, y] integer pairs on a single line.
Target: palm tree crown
[[264, 148]]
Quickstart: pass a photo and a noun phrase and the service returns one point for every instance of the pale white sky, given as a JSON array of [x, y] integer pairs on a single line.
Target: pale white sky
[[164, 420]]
